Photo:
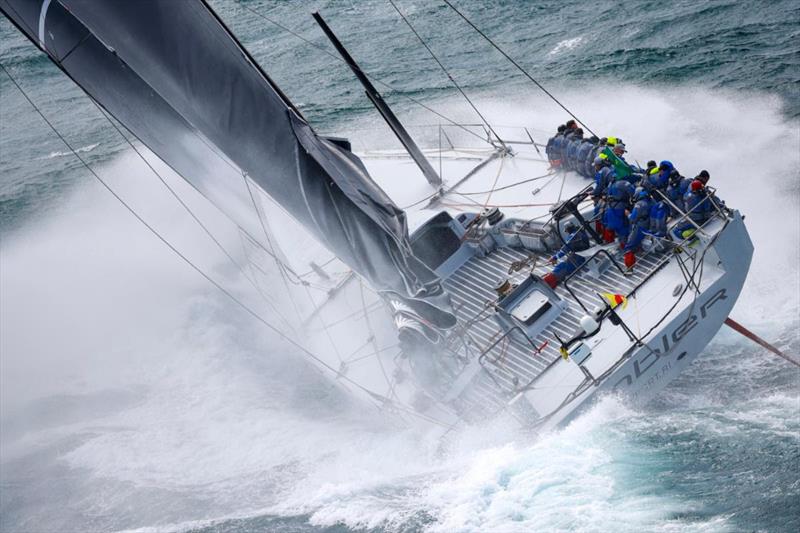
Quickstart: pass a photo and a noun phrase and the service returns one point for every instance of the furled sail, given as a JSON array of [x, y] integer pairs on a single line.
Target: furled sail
[[176, 77]]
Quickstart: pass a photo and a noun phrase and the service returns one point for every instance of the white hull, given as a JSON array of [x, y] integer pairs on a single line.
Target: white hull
[[352, 330]]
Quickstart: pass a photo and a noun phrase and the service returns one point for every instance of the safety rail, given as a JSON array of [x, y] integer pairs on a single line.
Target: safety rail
[[710, 197], [508, 332], [637, 342], [614, 262], [602, 251], [478, 131], [536, 349]]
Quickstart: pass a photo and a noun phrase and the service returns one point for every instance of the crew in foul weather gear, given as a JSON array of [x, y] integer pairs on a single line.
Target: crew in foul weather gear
[[577, 240], [639, 221], [582, 163], [615, 218], [603, 177], [659, 180], [566, 260], [574, 141], [563, 269], [698, 209], [553, 148], [676, 190]]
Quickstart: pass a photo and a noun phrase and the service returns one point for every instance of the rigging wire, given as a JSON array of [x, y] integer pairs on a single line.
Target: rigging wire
[[457, 86], [504, 187], [59, 63], [389, 382], [249, 310], [191, 213], [509, 206], [494, 184], [213, 148], [539, 85], [278, 262], [371, 78]]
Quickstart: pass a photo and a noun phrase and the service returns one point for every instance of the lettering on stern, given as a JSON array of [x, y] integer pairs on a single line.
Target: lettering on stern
[[667, 342]]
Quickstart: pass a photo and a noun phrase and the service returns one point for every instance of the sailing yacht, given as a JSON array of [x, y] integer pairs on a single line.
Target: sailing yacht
[[420, 290]]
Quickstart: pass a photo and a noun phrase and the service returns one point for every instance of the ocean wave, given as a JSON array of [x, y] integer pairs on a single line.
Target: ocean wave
[[566, 44], [82, 149]]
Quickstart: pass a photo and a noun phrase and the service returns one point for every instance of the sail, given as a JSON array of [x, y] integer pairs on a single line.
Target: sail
[[174, 75]]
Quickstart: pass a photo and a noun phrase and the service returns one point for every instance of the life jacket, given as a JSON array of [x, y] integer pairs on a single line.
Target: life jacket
[[675, 192], [659, 211], [657, 181], [572, 152], [576, 241], [569, 139], [697, 206], [582, 165], [640, 214], [602, 179], [620, 192], [553, 148]]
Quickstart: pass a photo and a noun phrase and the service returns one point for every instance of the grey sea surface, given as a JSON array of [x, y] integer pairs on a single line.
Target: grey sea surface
[[134, 397]]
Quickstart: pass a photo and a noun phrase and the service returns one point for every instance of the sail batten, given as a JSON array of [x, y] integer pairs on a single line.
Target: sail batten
[[177, 78]]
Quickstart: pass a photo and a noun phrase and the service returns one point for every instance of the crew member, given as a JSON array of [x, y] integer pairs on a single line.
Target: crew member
[[615, 220], [676, 190], [574, 140], [603, 177], [698, 209], [582, 162], [553, 148], [577, 240], [639, 221], [566, 260]]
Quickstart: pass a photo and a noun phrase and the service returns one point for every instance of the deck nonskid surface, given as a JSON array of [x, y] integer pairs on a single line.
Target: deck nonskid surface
[[513, 363]]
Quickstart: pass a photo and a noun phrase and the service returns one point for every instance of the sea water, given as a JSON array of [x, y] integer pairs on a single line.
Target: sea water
[[134, 397]]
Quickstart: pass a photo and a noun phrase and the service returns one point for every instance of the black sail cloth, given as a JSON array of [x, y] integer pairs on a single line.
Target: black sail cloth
[[172, 73]]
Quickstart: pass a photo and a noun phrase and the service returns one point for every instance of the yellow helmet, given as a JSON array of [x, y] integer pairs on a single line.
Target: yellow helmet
[[611, 141]]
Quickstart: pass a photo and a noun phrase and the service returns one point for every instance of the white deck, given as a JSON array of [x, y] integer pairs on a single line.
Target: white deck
[[351, 329]]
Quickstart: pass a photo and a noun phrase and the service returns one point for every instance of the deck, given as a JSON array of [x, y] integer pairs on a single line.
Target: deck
[[513, 363]]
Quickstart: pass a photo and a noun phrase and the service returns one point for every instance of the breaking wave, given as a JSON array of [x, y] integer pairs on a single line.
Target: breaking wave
[[82, 149], [133, 396], [566, 44]]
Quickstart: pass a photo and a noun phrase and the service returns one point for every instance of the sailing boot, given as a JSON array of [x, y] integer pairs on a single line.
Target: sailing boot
[[629, 259]]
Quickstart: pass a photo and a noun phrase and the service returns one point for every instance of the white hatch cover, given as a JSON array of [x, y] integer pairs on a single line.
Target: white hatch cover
[[531, 306]]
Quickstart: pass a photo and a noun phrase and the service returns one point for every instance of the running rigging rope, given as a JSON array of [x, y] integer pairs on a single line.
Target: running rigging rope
[[457, 86], [539, 85], [207, 277]]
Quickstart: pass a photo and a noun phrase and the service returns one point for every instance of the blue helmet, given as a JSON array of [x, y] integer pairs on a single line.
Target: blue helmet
[[666, 165]]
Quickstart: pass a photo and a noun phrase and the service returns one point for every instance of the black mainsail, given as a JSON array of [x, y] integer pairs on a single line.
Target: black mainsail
[[174, 75]]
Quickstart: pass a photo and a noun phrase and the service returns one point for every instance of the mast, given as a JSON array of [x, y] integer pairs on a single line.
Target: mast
[[175, 76], [380, 104]]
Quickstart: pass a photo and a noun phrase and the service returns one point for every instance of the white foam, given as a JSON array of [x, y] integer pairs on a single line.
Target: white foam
[[228, 419], [566, 44]]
